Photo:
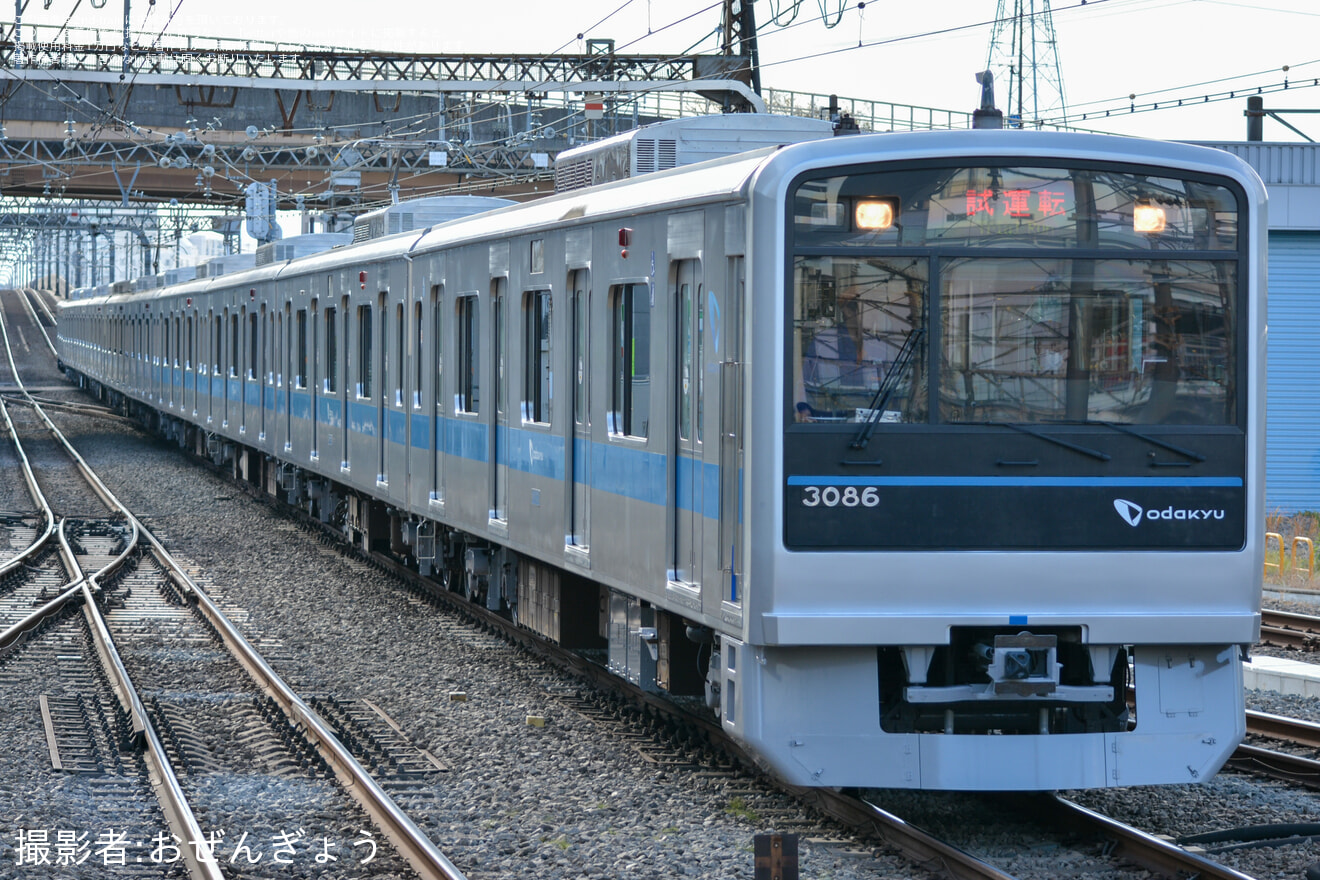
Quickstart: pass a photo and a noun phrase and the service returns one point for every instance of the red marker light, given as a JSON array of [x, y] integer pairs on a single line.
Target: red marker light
[[362, 280]]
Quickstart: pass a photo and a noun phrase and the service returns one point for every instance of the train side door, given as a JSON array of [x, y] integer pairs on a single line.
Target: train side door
[[312, 353], [233, 375], [726, 320], [688, 421], [248, 322], [210, 330], [287, 363], [578, 447], [499, 481], [345, 397], [382, 408], [264, 375], [437, 353], [192, 364]]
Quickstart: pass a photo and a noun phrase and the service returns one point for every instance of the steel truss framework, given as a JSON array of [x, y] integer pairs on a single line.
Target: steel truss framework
[[350, 65], [541, 98], [77, 239]]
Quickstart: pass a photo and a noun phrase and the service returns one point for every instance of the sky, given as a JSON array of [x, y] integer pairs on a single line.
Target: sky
[[918, 52]]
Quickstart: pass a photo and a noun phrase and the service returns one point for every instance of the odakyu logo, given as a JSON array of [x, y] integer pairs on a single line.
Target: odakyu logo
[[1130, 512], [1134, 513]]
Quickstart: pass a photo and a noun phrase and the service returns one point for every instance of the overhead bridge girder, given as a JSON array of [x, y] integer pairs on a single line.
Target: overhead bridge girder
[[107, 168], [301, 63]]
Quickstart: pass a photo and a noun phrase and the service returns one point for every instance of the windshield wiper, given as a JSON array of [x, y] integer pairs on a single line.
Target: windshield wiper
[[1075, 447], [1141, 435], [887, 386]]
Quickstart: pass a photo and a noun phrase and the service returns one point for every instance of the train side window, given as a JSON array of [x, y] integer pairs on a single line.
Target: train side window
[[419, 337], [400, 335], [580, 360], [364, 352], [331, 351], [300, 374], [538, 381], [437, 356], [252, 345], [467, 393], [630, 374], [233, 345], [384, 348]]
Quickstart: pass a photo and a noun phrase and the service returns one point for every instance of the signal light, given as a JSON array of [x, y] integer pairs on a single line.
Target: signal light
[[875, 214], [1148, 218]]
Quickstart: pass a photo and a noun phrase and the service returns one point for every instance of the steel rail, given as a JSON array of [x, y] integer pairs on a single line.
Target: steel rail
[[34, 490], [183, 823], [41, 301], [1138, 847], [921, 848], [89, 475], [1276, 765], [1291, 630], [1294, 730], [927, 852], [14, 632], [84, 409], [174, 803], [29, 477], [117, 673], [27, 304], [410, 841]]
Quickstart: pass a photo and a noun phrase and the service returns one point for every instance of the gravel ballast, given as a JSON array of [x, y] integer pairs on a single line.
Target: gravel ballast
[[557, 801]]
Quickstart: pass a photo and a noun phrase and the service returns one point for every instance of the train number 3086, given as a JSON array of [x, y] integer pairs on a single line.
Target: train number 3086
[[834, 496]]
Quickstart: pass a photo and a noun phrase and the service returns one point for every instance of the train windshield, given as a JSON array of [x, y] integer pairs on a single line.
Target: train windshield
[[1019, 295]]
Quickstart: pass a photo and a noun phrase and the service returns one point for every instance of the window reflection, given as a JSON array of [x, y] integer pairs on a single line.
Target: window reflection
[[851, 319], [1045, 340]]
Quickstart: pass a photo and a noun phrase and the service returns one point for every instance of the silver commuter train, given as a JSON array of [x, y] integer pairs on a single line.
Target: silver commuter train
[[917, 453]]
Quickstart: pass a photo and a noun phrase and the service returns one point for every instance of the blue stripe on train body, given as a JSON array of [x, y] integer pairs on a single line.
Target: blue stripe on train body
[[615, 468]]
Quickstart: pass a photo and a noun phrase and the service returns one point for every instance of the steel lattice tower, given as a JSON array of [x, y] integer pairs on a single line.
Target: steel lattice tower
[[1024, 58]]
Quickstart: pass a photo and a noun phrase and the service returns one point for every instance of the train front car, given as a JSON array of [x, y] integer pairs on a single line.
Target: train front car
[[1006, 461]]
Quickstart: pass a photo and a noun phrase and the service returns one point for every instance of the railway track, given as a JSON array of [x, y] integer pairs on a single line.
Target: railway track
[[136, 599], [1287, 629], [872, 822], [1116, 842], [1281, 763]]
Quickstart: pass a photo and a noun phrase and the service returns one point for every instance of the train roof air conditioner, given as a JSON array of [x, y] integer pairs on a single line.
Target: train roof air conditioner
[[421, 214], [675, 142]]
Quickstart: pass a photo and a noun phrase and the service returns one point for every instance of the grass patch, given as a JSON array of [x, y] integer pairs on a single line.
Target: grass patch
[[739, 809]]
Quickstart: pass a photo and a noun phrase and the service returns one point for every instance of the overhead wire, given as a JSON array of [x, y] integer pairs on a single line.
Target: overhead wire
[[114, 112], [788, 15]]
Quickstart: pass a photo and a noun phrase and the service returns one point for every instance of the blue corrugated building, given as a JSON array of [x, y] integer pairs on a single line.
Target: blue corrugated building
[[1292, 455]]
